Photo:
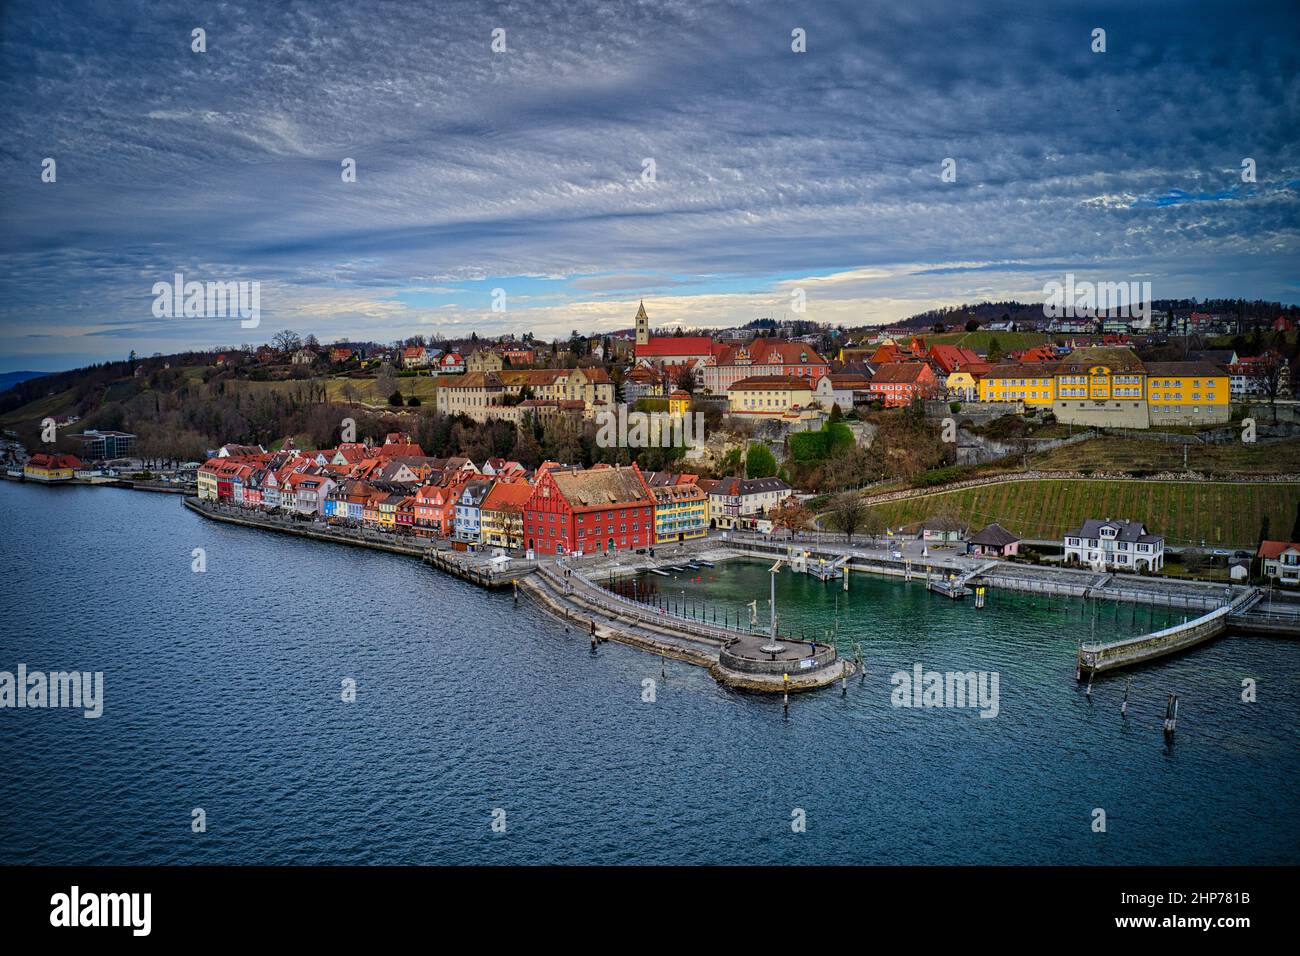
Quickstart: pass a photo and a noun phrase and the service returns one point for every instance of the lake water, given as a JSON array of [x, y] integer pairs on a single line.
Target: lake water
[[222, 692]]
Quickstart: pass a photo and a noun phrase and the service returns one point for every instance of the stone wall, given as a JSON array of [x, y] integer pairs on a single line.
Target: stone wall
[[1189, 414], [1125, 414]]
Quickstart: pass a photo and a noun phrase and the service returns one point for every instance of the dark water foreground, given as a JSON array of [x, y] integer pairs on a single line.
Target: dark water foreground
[[223, 692]]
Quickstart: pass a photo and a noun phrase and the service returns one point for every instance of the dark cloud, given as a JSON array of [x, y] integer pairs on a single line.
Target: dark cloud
[[770, 164]]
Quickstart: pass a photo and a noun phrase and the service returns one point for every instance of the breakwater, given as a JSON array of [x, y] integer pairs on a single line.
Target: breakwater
[[1095, 658]]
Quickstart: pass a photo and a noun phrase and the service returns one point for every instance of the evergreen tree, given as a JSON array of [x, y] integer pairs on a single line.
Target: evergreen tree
[[760, 462]]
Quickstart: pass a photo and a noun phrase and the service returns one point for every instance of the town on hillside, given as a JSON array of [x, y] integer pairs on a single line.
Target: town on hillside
[[495, 443]]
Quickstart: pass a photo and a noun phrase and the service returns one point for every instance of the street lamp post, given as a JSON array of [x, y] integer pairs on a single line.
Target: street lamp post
[[772, 647]]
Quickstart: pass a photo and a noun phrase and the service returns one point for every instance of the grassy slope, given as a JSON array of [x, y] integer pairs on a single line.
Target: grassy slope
[[58, 404], [979, 341], [1185, 512]]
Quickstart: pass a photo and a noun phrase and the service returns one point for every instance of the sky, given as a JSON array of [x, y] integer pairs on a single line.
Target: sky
[[777, 175]]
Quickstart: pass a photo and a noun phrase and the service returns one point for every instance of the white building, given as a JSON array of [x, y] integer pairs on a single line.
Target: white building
[[1115, 546], [1281, 560], [734, 498]]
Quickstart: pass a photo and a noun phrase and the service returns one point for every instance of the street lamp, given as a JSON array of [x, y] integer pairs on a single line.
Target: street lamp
[[772, 647]]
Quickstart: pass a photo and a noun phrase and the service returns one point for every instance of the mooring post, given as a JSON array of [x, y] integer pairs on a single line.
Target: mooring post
[[785, 686]]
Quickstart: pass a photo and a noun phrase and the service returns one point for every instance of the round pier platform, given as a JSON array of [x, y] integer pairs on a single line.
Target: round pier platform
[[752, 663]]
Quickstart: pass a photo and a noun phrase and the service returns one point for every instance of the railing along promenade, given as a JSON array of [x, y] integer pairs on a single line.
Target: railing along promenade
[[1039, 579]]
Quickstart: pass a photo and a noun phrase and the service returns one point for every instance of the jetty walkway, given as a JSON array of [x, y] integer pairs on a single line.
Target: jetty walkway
[[735, 657]]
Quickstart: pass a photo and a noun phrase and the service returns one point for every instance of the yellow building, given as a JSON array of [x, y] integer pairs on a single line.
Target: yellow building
[[43, 467], [501, 516], [388, 512], [962, 385], [1113, 388], [207, 484], [679, 403], [1031, 382], [1187, 393], [769, 394], [681, 512]]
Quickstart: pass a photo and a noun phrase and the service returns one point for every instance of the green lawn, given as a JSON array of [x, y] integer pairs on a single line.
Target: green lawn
[[979, 341], [1185, 513]]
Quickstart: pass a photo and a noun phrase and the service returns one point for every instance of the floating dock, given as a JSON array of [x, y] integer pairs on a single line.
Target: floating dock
[[949, 589]]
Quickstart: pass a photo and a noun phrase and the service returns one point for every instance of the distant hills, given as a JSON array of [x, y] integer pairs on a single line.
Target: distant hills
[[9, 379]]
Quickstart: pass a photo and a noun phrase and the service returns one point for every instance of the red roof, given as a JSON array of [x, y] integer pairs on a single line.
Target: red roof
[[952, 357], [43, 460], [507, 494], [899, 373], [677, 345], [400, 450], [1271, 549]]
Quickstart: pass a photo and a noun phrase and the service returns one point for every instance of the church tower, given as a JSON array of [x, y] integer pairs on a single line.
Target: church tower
[[642, 325]]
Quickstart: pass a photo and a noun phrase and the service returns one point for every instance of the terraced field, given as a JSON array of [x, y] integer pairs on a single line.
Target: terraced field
[[1127, 455], [1218, 514]]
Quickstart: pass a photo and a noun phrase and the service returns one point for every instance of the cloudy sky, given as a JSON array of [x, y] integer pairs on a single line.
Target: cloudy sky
[[524, 170]]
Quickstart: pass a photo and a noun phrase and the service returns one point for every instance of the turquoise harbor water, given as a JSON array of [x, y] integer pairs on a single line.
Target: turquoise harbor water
[[223, 692]]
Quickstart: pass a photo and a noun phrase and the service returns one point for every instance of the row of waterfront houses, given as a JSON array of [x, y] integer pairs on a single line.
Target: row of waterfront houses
[[556, 509]]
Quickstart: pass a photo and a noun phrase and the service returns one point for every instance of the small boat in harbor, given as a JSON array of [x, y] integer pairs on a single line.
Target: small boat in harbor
[[658, 572]]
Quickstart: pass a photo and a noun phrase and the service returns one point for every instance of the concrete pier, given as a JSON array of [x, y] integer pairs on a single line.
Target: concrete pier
[[1100, 657], [734, 657]]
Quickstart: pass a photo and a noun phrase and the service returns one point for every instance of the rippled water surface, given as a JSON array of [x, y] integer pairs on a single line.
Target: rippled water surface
[[223, 692]]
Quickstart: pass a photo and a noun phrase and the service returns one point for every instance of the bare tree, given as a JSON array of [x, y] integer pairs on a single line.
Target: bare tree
[[847, 514], [286, 340], [1271, 380], [386, 380]]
